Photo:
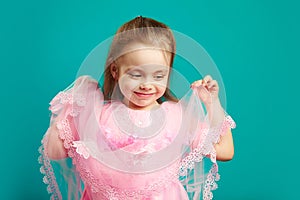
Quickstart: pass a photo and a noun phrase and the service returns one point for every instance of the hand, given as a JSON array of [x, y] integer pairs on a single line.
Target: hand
[[208, 90]]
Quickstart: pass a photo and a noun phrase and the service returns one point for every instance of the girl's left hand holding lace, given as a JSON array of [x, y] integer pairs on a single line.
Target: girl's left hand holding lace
[[208, 90]]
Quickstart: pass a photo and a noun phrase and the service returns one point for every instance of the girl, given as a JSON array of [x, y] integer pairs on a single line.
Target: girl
[[136, 140]]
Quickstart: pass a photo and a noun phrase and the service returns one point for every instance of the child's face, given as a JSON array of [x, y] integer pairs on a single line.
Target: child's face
[[143, 77]]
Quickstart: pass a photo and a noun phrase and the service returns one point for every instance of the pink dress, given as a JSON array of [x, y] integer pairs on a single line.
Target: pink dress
[[120, 153]]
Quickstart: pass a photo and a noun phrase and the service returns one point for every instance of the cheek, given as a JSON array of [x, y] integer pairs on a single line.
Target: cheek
[[161, 85], [127, 84], [162, 91]]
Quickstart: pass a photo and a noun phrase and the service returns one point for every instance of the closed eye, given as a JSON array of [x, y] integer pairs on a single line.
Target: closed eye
[[160, 76], [134, 75]]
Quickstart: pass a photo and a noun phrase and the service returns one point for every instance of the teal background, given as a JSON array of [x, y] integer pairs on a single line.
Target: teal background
[[254, 43]]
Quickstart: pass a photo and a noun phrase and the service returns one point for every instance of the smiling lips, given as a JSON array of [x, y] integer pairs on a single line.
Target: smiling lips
[[144, 95]]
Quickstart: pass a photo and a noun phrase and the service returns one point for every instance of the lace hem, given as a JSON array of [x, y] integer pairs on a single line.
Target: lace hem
[[47, 171], [210, 137], [210, 182], [56, 106]]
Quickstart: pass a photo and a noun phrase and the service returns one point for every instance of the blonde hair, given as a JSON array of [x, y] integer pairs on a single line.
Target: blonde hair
[[139, 30]]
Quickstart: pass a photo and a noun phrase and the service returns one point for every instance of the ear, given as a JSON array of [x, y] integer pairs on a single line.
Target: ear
[[114, 70]]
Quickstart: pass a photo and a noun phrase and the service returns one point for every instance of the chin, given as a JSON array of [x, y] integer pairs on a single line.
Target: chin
[[142, 105]]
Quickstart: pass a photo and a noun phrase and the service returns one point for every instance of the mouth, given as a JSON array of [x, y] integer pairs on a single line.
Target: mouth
[[144, 95]]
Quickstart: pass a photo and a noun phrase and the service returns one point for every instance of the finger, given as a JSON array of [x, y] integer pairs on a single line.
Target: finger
[[213, 89], [200, 82], [196, 83], [207, 78], [203, 90], [212, 83]]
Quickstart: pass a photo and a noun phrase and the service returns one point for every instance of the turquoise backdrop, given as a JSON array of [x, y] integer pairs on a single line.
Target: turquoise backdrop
[[254, 43]]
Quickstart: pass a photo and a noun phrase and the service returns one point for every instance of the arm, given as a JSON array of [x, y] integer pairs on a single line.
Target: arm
[[208, 92], [225, 148], [55, 147]]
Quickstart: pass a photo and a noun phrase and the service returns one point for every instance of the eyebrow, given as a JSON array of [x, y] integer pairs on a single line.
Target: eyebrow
[[161, 71], [130, 69], [142, 71], [134, 68]]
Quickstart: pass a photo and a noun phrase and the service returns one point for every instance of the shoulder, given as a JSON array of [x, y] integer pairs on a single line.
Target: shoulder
[[109, 107], [82, 93]]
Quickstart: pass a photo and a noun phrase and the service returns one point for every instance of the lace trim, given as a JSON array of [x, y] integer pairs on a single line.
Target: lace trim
[[227, 124], [65, 133], [210, 182], [47, 171], [70, 98], [57, 104], [62, 98], [81, 149], [210, 137], [215, 133]]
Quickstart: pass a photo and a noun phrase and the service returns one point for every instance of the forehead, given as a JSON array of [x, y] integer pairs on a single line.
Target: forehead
[[144, 57]]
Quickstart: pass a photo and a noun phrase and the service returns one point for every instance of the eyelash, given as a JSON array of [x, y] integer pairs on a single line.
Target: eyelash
[[139, 76], [135, 75], [159, 76]]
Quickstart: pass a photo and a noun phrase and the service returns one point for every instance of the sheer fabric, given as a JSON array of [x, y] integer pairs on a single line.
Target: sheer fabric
[[114, 152]]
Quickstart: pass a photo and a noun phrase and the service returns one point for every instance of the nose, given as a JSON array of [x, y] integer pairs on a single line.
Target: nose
[[145, 87]]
